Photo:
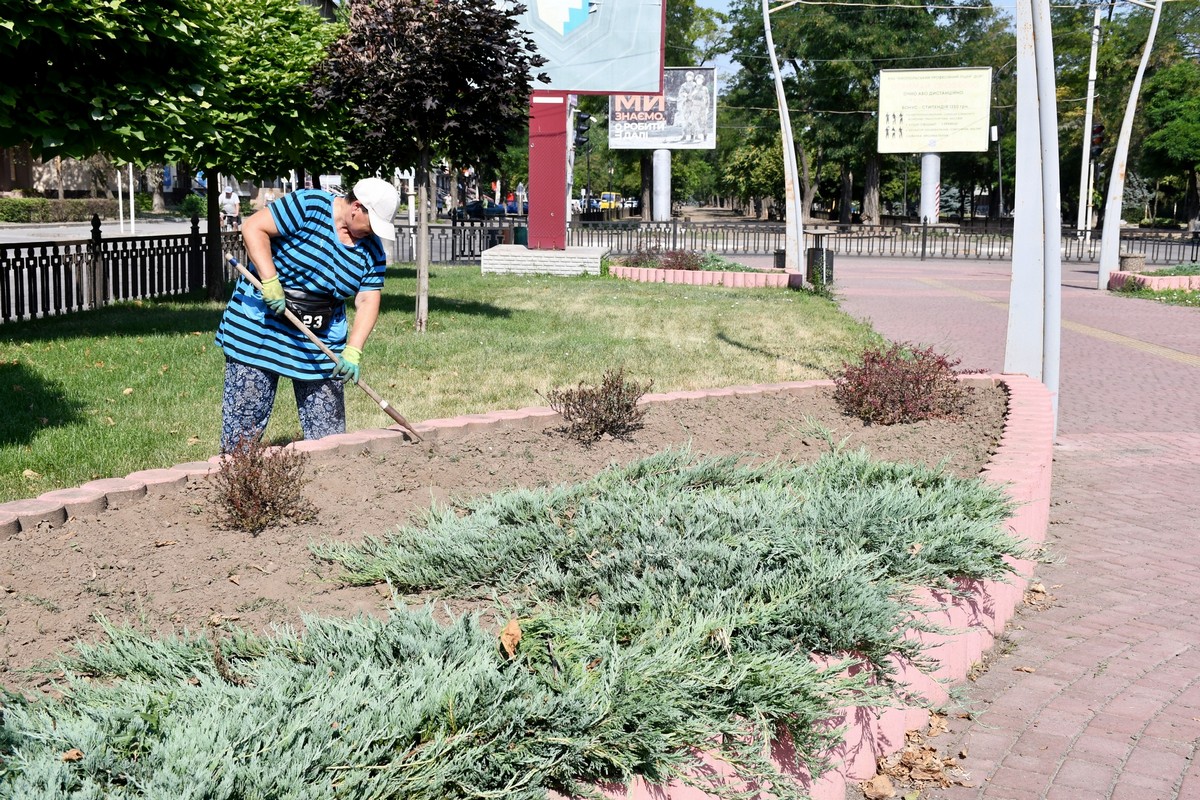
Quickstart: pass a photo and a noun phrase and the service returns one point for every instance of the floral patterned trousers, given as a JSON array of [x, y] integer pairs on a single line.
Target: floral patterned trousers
[[250, 394]]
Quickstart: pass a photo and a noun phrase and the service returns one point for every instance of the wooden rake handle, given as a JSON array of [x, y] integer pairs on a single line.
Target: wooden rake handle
[[312, 337]]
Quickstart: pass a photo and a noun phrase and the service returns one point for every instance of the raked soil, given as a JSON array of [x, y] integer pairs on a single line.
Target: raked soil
[[164, 564]]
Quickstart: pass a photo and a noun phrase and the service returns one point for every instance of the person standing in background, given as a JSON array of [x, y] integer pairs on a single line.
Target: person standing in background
[[231, 210]]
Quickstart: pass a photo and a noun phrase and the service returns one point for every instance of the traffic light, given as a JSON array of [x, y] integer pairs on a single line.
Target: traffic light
[[582, 123], [1097, 141]]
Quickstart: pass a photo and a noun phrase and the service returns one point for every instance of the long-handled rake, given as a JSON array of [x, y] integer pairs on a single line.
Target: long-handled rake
[[292, 318]]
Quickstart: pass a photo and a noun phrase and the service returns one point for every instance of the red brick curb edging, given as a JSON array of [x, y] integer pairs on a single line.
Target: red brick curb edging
[[739, 280], [1117, 280], [1022, 463]]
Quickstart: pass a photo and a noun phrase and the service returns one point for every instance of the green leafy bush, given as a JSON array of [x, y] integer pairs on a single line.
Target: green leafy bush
[[193, 205], [611, 407], [900, 383], [41, 209], [1165, 223]]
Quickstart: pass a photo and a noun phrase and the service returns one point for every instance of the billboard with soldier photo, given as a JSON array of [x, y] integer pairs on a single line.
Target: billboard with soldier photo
[[683, 117]]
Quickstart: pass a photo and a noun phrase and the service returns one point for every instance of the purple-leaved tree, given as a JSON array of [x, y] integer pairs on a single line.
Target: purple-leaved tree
[[424, 80]]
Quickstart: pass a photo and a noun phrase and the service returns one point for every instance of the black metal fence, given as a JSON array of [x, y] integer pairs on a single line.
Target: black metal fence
[[39, 279], [904, 241], [45, 278]]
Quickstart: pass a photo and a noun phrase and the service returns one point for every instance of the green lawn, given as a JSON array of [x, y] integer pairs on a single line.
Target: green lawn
[[135, 386]]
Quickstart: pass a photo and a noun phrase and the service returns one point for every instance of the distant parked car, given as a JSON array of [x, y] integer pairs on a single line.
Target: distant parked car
[[478, 209]]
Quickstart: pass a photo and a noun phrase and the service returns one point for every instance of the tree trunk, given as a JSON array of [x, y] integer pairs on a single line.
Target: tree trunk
[[845, 196], [215, 263], [647, 185], [154, 176], [422, 311], [808, 187], [870, 209], [58, 179], [1193, 203]]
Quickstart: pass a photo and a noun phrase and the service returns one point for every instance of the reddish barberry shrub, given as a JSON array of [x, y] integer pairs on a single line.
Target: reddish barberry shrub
[[592, 411], [682, 259], [258, 486], [901, 383], [644, 257]]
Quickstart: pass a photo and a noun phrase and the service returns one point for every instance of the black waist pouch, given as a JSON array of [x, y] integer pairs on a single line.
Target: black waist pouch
[[316, 311]]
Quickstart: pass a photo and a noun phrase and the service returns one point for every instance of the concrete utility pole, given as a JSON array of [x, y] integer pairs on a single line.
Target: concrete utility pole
[[794, 225], [1035, 295], [1110, 243]]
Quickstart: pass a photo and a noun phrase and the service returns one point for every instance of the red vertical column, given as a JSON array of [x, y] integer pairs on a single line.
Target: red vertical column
[[548, 171]]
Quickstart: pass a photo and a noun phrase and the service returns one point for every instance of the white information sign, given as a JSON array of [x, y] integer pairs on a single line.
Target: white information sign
[[935, 110]]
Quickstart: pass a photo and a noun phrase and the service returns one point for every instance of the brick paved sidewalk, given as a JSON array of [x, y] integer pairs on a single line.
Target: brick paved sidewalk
[[1097, 696]]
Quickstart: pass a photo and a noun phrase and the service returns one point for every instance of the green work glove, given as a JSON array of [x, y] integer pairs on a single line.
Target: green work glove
[[272, 291], [347, 367]]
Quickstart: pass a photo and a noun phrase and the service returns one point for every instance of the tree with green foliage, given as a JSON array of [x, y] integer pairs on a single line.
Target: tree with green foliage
[[421, 79], [85, 76], [261, 116], [1122, 42], [753, 171], [218, 84], [1172, 115], [832, 56]]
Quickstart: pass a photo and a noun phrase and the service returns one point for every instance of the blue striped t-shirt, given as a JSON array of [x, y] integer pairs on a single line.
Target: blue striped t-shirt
[[308, 255]]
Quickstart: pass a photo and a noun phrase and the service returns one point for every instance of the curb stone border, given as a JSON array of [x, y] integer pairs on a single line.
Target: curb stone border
[[1021, 463], [1118, 279], [751, 279]]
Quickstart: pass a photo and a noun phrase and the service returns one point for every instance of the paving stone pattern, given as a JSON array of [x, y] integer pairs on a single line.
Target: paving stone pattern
[[1098, 695]]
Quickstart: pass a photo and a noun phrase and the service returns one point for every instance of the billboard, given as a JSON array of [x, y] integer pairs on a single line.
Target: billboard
[[935, 110], [598, 46], [683, 117]]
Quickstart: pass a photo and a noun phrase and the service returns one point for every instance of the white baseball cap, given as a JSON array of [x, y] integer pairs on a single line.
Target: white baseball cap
[[381, 201]]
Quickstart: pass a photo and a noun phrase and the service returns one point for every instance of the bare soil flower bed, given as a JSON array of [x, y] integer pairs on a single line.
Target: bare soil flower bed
[[163, 564]]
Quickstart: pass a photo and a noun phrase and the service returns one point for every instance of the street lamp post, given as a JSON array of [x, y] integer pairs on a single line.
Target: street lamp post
[[794, 229], [1110, 236]]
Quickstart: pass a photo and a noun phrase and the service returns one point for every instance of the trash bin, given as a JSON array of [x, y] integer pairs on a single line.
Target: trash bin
[[820, 266], [522, 235], [780, 259]]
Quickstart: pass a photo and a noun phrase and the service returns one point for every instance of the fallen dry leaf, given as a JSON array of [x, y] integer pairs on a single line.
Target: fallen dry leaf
[[74, 754], [164, 542], [1037, 588], [510, 637], [937, 725], [915, 548], [127, 391], [30, 474], [234, 580], [1024, 669], [878, 788]]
